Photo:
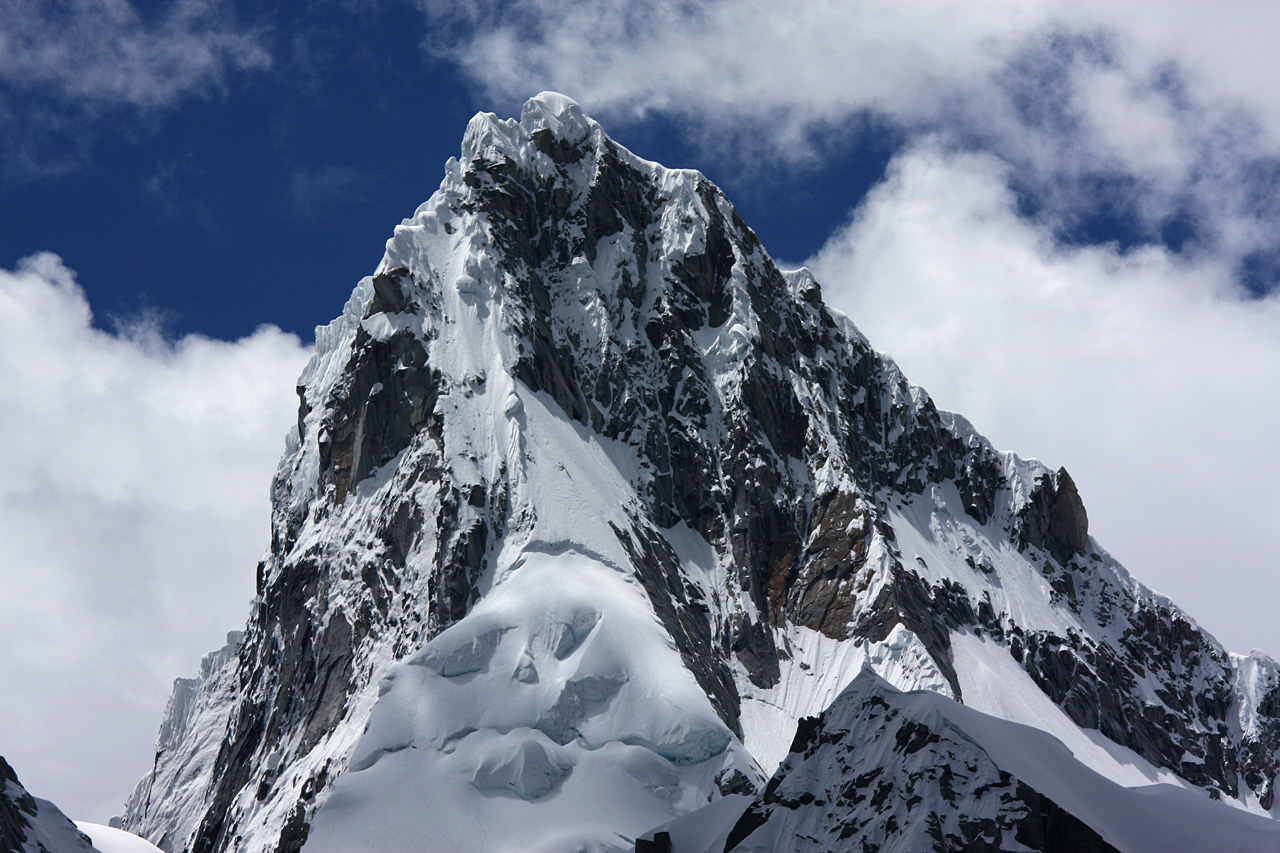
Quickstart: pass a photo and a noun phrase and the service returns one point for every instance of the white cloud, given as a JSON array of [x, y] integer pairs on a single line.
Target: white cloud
[[1223, 51], [63, 66], [133, 507], [107, 53], [798, 65], [1144, 375], [1067, 92]]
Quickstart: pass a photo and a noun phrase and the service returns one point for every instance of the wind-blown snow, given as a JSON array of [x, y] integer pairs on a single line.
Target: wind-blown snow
[[558, 702]]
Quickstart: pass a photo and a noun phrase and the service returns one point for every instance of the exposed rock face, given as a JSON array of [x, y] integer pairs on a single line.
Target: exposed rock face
[[1054, 520], [30, 825], [572, 351]]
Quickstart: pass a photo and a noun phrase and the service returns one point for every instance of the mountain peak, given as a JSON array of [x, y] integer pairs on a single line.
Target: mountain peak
[[550, 124], [587, 496], [559, 114]]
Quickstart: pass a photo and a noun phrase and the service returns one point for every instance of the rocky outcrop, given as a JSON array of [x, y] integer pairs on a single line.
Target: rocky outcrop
[[1054, 519]]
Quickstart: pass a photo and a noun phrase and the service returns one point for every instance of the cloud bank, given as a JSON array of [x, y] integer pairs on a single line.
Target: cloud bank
[[134, 504], [1144, 374]]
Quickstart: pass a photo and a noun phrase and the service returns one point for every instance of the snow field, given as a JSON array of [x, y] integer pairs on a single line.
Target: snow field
[[559, 701]]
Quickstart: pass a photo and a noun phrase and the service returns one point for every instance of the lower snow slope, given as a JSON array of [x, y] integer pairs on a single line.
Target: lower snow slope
[[556, 716], [108, 839]]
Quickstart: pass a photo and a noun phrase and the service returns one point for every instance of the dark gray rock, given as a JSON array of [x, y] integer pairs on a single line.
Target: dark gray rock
[[1054, 520], [294, 832], [388, 395], [17, 809], [683, 613]]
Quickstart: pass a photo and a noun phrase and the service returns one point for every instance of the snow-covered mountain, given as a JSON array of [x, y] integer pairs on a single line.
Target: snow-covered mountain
[[589, 505], [882, 770]]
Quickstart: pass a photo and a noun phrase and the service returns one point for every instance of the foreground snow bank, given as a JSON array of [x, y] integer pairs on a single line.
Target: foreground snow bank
[[108, 839]]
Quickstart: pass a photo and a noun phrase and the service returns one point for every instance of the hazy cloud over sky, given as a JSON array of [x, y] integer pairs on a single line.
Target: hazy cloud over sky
[[64, 65], [133, 508], [311, 193]]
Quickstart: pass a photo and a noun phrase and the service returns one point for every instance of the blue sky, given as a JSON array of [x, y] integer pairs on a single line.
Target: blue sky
[[257, 198], [262, 193], [1060, 219]]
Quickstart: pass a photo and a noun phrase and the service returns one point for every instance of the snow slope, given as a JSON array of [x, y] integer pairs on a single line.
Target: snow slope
[[557, 702], [108, 839]]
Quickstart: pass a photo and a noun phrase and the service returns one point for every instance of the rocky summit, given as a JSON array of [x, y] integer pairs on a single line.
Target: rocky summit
[[596, 526]]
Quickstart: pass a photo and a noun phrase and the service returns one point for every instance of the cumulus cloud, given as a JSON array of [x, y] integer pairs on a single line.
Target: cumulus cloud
[[63, 66], [1100, 106], [133, 507], [1141, 372]]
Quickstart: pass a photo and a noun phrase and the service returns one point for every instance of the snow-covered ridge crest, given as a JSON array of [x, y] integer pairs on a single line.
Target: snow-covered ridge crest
[[546, 116], [578, 371], [884, 769]]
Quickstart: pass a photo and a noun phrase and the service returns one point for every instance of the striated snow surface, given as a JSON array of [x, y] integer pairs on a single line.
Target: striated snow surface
[[193, 727]]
